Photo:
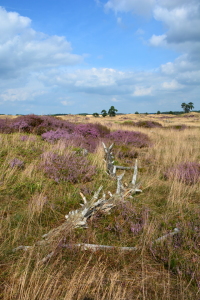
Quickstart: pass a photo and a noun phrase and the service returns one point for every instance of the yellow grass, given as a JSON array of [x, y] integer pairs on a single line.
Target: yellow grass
[[32, 205]]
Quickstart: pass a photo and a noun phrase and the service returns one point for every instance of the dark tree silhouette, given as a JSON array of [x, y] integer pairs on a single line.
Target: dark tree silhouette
[[187, 107], [112, 111], [104, 113]]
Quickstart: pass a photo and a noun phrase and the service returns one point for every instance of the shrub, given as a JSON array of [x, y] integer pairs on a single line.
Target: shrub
[[188, 172], [134, 138], [71, 168]]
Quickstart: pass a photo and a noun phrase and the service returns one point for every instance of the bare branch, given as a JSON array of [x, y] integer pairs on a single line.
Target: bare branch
[[134, 174]]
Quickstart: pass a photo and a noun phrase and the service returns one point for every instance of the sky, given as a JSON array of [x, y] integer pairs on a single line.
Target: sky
[[75, 56]]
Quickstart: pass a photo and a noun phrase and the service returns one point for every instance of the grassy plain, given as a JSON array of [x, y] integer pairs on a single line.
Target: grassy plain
[[32, 204]]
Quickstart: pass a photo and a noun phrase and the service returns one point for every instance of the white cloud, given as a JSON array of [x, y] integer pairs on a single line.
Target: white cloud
[[140, 31], [183, 23], [157, 40], [172, 85], [21, 94], [115, 100], [67, 103], [22, 48], [119, 20], [142, 91], [142, 7]]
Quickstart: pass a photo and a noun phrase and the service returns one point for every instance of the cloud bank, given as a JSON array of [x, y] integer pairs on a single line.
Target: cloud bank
[[34, 66]]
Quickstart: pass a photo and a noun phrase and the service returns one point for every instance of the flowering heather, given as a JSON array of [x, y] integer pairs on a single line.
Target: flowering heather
[[188, 172], [16, 163], [39, 124], [71, 168], [83, 135], [134, 138], [58, 134], [5, 126], [87, 130], [92, 130]]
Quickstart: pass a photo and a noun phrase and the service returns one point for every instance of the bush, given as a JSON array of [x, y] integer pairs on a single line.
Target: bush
[[188, 172]]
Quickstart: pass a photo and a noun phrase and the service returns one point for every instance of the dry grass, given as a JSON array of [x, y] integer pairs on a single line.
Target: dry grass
[[32, 204]]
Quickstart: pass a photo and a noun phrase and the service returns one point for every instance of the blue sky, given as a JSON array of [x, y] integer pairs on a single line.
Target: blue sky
[[79, 56]]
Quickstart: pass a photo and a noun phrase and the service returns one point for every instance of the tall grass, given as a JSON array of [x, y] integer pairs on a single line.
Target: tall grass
[[33, 203]]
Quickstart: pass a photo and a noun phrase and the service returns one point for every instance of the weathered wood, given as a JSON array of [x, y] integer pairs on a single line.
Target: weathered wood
[[79, 217], [94, 247]]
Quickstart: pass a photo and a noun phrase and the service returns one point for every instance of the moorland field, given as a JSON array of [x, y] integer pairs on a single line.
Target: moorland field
[[44, 166]]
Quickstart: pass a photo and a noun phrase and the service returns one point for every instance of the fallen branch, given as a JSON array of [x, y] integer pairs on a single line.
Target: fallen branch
[[109, 159], [79, 217], [94, 247]]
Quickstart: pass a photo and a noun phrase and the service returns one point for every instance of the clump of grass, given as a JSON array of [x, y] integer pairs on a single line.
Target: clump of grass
[[148, 124], [179, 127], [188, 172]]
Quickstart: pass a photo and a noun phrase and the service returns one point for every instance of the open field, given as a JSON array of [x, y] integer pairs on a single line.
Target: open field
[[43, 169]]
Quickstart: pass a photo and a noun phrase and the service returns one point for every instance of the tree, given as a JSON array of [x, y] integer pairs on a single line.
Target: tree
[[187, 107], [158, 112], [191, 105], [95, 114], [112, 111], [136, 113], [104, 113]]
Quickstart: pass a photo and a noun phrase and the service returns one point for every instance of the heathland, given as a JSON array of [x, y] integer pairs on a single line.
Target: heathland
[[49, 165]]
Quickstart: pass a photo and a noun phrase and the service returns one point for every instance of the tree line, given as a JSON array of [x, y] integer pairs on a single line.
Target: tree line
[[111, 112]]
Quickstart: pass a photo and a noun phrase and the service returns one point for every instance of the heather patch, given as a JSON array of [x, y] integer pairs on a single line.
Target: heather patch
[[5, 126], [16, 163], [54, 135], [38, 124], [84, 135], [133, 138], [71, 168], [188, 172]]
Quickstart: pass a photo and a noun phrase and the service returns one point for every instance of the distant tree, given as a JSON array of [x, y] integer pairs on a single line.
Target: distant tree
[[158, 112], [171, 112], [191, 105], [112, 111], [104, 113], [136, 113], [96, 114], [187, 107]]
